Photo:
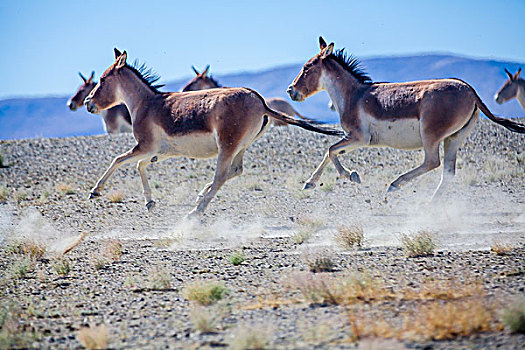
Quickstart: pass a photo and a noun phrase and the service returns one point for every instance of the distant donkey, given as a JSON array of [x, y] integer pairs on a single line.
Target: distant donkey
[[204, 81], [513, 88], [410, 115], [218, 123], [116, 119]]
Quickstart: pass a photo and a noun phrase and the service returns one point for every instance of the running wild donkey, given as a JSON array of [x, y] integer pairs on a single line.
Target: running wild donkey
[[410, 115], [116, 119], [513, 88], [218, 123], [204, 81]]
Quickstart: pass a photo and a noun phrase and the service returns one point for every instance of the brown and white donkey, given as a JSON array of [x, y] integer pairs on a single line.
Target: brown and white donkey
[[210, 123], [116, 119], [203, 81], [410, 115]]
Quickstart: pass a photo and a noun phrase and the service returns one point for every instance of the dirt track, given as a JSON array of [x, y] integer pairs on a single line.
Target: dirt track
[[46, 186]]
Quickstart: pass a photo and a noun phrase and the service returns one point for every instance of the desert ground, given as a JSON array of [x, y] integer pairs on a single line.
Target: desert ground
[[265, 266]]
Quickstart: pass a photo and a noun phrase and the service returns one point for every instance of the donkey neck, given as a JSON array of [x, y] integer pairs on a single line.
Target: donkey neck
[[520, 95], [133, 91], [339, 84]]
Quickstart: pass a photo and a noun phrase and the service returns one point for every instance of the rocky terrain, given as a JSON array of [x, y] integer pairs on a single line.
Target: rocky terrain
[[280, 276]]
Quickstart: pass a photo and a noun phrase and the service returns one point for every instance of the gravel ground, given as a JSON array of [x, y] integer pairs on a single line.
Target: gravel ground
[[139, 294]]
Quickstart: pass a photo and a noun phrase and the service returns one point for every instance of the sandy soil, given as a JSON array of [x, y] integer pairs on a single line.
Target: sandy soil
[[261, 213]]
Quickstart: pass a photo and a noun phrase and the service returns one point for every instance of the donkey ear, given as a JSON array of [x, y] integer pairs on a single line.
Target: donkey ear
[[516, 76], [117, 53], [322, 43], [82, 77], [327, 51], [121, 60], [205, 71], [508, 73], [195, 70], [91, 77]]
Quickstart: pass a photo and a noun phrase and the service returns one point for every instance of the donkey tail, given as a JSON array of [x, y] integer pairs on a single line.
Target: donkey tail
[[310, 120], [507, 123], [300, 123]]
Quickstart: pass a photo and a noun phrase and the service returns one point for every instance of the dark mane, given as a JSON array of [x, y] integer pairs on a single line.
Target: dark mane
[[214, 81], [147, 75], [352, 65]]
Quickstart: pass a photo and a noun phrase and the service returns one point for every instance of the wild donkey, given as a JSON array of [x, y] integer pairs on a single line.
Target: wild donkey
[[204, 81], [411, 115], [201, 124], [513, 88], [116, 119]]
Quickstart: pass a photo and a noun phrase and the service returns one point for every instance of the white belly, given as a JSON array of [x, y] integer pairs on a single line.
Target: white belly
[[196, 145], [402, 133]]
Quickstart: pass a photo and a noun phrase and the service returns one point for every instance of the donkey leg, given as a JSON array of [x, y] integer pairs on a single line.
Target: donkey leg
[[310, 183], [338, 148], [235, 170], [224, 162], [141, 167], [450, 148], [132, 155], [341, 148], [431, 162]]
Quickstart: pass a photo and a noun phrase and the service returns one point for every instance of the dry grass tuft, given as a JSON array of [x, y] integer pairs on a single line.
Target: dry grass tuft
[[33, 249], [319, 263], [500, 248], [15, 334], [19, 196], [237, 258], [111, 250], [513, 316], [435, 320], [250, 337], [419, 244], [307, 228], [159, 279], [349, 236], [64, 188], [205, 292], [353, 288], [20, 267], [93, 337], [4, 194], [447, 320], [446, 290], [116, 196], [62, 266], [205, 320]]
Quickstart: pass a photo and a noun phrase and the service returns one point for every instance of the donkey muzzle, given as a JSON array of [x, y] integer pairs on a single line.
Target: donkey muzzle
[[71, 105], [90, 105], [294, 95]]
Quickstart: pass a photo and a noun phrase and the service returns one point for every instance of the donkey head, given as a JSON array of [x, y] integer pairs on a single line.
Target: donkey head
[[77, 100], [201, 81], [106, 93], [308, 81], [510, 89]]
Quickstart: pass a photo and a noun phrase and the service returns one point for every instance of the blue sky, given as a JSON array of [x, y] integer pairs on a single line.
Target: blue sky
[[44, 44]]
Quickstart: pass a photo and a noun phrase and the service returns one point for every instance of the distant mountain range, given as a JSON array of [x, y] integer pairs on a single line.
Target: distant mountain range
[[49, 117]]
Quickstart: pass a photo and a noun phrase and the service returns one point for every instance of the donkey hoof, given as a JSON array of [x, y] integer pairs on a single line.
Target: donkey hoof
[[392, 188], [150, 205], [193, 213], [354, 177], [93, 194], [308, 186]]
